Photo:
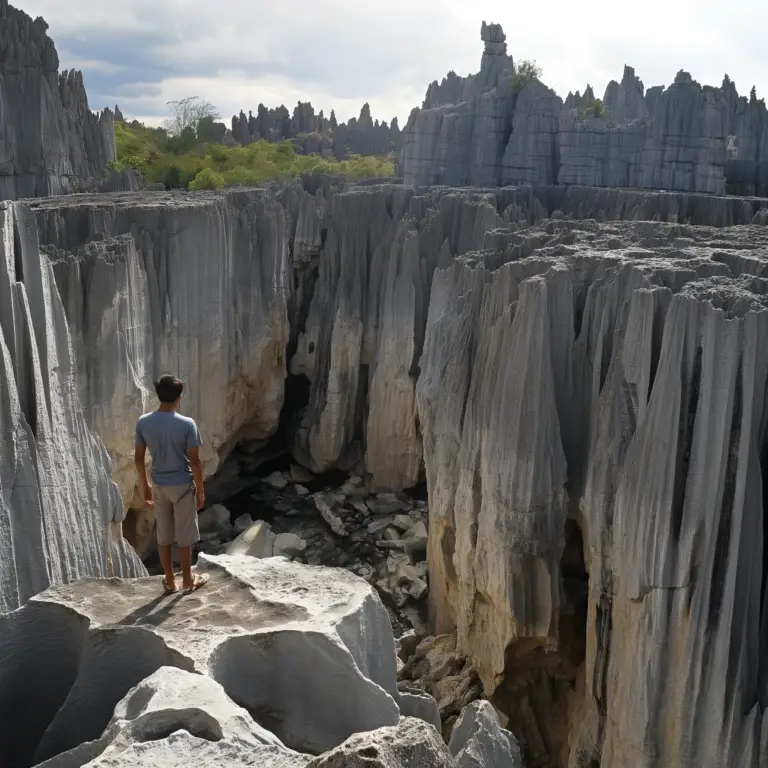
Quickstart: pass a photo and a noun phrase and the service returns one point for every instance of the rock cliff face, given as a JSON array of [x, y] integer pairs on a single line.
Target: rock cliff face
[[230, 290], [485, 129], [50, 141], [571, 331], [618, 372], [60, 512]]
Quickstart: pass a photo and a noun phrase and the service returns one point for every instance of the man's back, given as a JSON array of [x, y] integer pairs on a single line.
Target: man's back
[[168, 435]]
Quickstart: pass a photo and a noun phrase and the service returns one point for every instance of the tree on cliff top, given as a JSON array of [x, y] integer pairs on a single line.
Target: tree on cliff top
[[187, 113], [525, 71]]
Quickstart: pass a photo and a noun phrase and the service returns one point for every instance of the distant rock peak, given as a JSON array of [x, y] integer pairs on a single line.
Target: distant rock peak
[[494, 38], [685, 137]]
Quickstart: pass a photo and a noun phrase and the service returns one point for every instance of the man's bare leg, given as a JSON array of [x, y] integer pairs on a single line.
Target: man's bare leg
[[166, 560], [190, 582], [185, 558]]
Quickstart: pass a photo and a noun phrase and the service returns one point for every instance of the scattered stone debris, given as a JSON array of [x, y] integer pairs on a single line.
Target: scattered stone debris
[[380, 537], [435, 666]]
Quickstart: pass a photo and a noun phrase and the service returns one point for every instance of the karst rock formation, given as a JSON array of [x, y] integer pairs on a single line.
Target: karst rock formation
[[50, 141], [315, 134], [490, 130], [577, 372]]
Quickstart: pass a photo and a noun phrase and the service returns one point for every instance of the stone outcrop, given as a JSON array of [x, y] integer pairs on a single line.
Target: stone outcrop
[[50, 141], [606, 577], [478, 740], [60, 512], [494, 129], [315, 134], [463, 128], [307, 653]]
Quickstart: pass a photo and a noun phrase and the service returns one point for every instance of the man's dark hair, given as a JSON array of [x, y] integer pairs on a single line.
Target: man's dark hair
[[169, 388]]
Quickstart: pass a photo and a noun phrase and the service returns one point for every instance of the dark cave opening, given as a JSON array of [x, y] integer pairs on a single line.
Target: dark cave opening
[[539, 683]]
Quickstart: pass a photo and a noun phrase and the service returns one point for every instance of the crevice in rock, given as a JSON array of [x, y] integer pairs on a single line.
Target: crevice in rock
[[201, 725], [687, 422], [538, 691], [18, 264], [723, 540]]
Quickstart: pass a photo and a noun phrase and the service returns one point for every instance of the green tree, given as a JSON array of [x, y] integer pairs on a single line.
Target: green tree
[[209, 131], [207, 179], [525, 71], [593, 108], [178, 144]]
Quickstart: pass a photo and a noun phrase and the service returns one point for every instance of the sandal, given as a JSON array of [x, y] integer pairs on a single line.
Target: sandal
[[198, 581], [169, 590]]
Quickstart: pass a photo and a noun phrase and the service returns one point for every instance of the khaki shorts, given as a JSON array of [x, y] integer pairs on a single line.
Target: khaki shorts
[[176, 515]]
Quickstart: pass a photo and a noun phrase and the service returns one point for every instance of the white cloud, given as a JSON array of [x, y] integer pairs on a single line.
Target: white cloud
[[340, 53]]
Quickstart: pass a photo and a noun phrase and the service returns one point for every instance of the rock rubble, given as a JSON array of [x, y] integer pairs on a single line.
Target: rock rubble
[[381, 538]]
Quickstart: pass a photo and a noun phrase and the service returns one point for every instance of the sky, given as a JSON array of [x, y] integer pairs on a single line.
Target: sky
[[140, 54]]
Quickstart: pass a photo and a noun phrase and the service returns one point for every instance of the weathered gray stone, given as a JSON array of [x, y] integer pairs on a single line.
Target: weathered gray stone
[[409, 743], [170, 701], [328, 505], [215, 519], [51, 143], [243, 523], [623, 384], [60, 512], [288, 545], [531, 154], [478, 741], [134, 291], [271, 633], [276, 480], [539, 340], [258, 540]]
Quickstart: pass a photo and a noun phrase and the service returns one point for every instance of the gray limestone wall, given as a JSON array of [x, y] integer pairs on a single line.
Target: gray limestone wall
[[547, 358], [492, 130], [50, 141], [60, 511]]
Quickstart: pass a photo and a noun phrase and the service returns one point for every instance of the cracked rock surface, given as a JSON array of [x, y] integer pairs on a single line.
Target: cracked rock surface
[[576, 372], [315, 286]]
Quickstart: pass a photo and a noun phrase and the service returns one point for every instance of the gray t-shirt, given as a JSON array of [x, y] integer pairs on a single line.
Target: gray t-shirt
[[168, 435]]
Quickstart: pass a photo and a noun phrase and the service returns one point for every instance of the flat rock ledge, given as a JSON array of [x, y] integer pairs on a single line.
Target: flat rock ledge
[[272, 663]]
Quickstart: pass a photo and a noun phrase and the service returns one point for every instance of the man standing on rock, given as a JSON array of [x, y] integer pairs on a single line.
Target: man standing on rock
[[176, 491]]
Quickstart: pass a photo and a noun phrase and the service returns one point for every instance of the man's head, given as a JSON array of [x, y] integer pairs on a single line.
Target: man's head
[[169, 389]]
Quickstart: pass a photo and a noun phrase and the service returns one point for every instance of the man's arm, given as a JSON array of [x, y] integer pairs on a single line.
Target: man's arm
[[194, 441], [196, 464], [139, 458]]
